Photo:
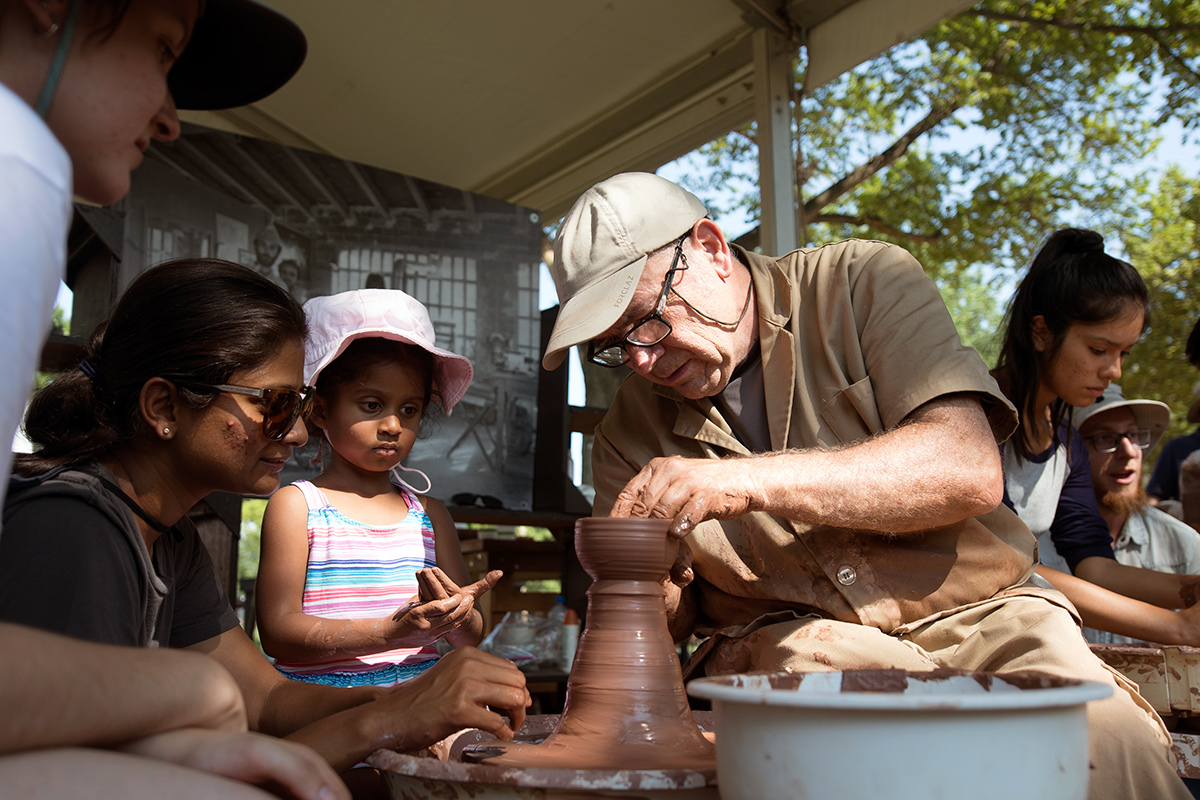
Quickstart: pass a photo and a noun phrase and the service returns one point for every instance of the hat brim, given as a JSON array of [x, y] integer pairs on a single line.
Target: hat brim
[[592, 311], [452, 373], [1149, 414], [240, 52]]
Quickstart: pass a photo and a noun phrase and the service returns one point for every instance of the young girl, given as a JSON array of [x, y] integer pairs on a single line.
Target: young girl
[[1072, 321], [359, 575]]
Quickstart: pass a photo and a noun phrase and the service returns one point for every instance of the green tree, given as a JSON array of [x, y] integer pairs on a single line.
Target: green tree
[[1165, 247], [1056, 93], [251, 536]]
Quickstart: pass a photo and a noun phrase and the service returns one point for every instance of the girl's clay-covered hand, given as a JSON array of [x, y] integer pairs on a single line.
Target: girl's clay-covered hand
[[441, 606]]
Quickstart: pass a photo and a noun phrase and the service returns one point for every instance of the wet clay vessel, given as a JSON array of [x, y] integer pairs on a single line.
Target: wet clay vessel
[[626, 706]]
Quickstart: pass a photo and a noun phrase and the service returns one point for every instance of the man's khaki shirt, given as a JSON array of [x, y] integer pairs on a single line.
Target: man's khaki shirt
[[854, 338]]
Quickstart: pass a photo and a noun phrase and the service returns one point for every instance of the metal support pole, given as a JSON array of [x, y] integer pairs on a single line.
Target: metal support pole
[[773, 59]]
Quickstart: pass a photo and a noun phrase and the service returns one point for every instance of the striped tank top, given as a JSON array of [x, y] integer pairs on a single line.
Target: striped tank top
[[358, 571]]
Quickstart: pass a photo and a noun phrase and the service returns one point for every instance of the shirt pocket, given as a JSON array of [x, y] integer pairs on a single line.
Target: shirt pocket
[[852, 414]]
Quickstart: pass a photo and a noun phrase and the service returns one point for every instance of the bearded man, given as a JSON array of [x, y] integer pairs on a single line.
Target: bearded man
[[1118, 432]]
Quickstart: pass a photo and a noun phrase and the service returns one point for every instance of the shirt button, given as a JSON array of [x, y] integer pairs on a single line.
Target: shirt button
[[846, 575]]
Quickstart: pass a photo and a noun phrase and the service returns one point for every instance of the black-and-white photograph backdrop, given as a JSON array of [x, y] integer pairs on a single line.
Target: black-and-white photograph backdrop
[[319, 225]]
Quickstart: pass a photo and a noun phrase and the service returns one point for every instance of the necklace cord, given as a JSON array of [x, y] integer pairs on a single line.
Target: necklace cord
[[50, 86]]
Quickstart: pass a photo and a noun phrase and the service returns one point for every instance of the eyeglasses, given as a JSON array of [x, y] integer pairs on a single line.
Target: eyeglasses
[[647, 331], [283, 406], [1107, 441]]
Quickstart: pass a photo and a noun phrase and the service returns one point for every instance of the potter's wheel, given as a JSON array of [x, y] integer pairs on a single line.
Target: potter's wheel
[[411, 777], [626, 729]]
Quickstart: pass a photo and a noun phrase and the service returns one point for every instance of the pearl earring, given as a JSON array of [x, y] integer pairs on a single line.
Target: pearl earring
[[53, 27], [166, 431]]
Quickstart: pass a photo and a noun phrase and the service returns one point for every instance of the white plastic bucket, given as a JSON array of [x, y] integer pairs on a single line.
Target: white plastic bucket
[[899, 735]]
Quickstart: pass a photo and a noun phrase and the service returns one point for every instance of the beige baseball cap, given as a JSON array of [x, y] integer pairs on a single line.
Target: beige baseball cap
[[1149, 414], [601, 249]]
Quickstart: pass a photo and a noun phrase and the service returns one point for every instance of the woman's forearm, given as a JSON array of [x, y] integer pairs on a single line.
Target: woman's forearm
[[59, 692], [1108, 611]]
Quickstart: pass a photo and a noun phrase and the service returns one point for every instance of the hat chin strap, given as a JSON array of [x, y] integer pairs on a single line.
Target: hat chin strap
[[50, 86], [396, 477]]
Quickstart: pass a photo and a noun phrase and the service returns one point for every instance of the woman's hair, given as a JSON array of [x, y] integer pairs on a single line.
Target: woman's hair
[[1071, 281], [363, 354], [193, 319]]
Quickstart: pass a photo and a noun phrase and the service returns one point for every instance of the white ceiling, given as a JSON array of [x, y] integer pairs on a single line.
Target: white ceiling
[[532, 101]]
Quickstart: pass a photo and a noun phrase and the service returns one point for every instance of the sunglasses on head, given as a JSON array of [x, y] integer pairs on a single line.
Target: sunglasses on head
[[282, 406]]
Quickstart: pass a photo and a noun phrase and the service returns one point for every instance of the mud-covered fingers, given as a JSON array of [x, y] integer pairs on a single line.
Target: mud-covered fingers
[[433, 584], [681, 570], [484, 584]]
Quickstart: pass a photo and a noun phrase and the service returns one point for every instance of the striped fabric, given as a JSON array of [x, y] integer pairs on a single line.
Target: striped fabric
[[358, 571]]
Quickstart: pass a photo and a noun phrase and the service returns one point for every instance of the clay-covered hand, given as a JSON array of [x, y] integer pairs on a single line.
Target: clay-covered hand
[[436, 586], [285, 768], [467, 688], [418, 623], [689, 491]]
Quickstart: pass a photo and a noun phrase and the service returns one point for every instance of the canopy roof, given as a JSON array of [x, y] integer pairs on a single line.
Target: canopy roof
[[533, 101]]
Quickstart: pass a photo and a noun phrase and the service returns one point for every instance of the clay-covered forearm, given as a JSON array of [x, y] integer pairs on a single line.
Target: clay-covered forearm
[[1116, 613], [940, 467], [58, 691], [303, 637]]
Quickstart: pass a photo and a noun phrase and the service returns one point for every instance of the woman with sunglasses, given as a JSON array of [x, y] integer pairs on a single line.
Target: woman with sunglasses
[[194, 385], [1071, 323]]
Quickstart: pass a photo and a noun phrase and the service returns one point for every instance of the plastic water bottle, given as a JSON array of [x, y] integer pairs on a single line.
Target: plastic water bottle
[[570, 638], [555, 615]]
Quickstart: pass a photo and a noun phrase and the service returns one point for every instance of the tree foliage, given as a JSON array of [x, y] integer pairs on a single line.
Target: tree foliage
[[1056, 95], [1058, 102], [1165, 247]]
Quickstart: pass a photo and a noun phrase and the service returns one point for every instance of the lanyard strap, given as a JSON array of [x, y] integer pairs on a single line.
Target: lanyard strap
[[60, 59]]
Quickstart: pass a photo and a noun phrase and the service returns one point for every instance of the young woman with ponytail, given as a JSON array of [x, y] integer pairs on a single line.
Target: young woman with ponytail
[[1071, 324]]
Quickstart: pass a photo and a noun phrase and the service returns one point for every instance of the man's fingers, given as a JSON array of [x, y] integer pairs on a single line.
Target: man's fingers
[[681, 570]]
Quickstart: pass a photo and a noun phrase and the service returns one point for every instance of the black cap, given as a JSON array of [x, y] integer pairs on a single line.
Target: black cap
[[240, 52]]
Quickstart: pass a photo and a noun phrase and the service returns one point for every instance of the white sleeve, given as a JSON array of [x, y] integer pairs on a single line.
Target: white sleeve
[[35, 215]]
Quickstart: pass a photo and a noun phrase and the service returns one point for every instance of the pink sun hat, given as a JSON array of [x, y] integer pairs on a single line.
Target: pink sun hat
[[336, 320]]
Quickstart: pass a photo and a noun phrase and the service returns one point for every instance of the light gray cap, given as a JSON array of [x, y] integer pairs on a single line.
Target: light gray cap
[[601, 249], [1149, 414]]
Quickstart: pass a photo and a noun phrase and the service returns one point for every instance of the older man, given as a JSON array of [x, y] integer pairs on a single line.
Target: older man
[[816, 431], [1117, 432]]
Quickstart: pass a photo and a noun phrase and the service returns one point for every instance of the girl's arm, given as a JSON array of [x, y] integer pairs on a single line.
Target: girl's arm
[[450, 561], [1116, 613], [288, 633]]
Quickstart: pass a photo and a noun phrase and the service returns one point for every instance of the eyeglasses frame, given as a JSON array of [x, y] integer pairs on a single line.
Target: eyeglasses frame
[[300, 409], [1140, 433], [625, 342]]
